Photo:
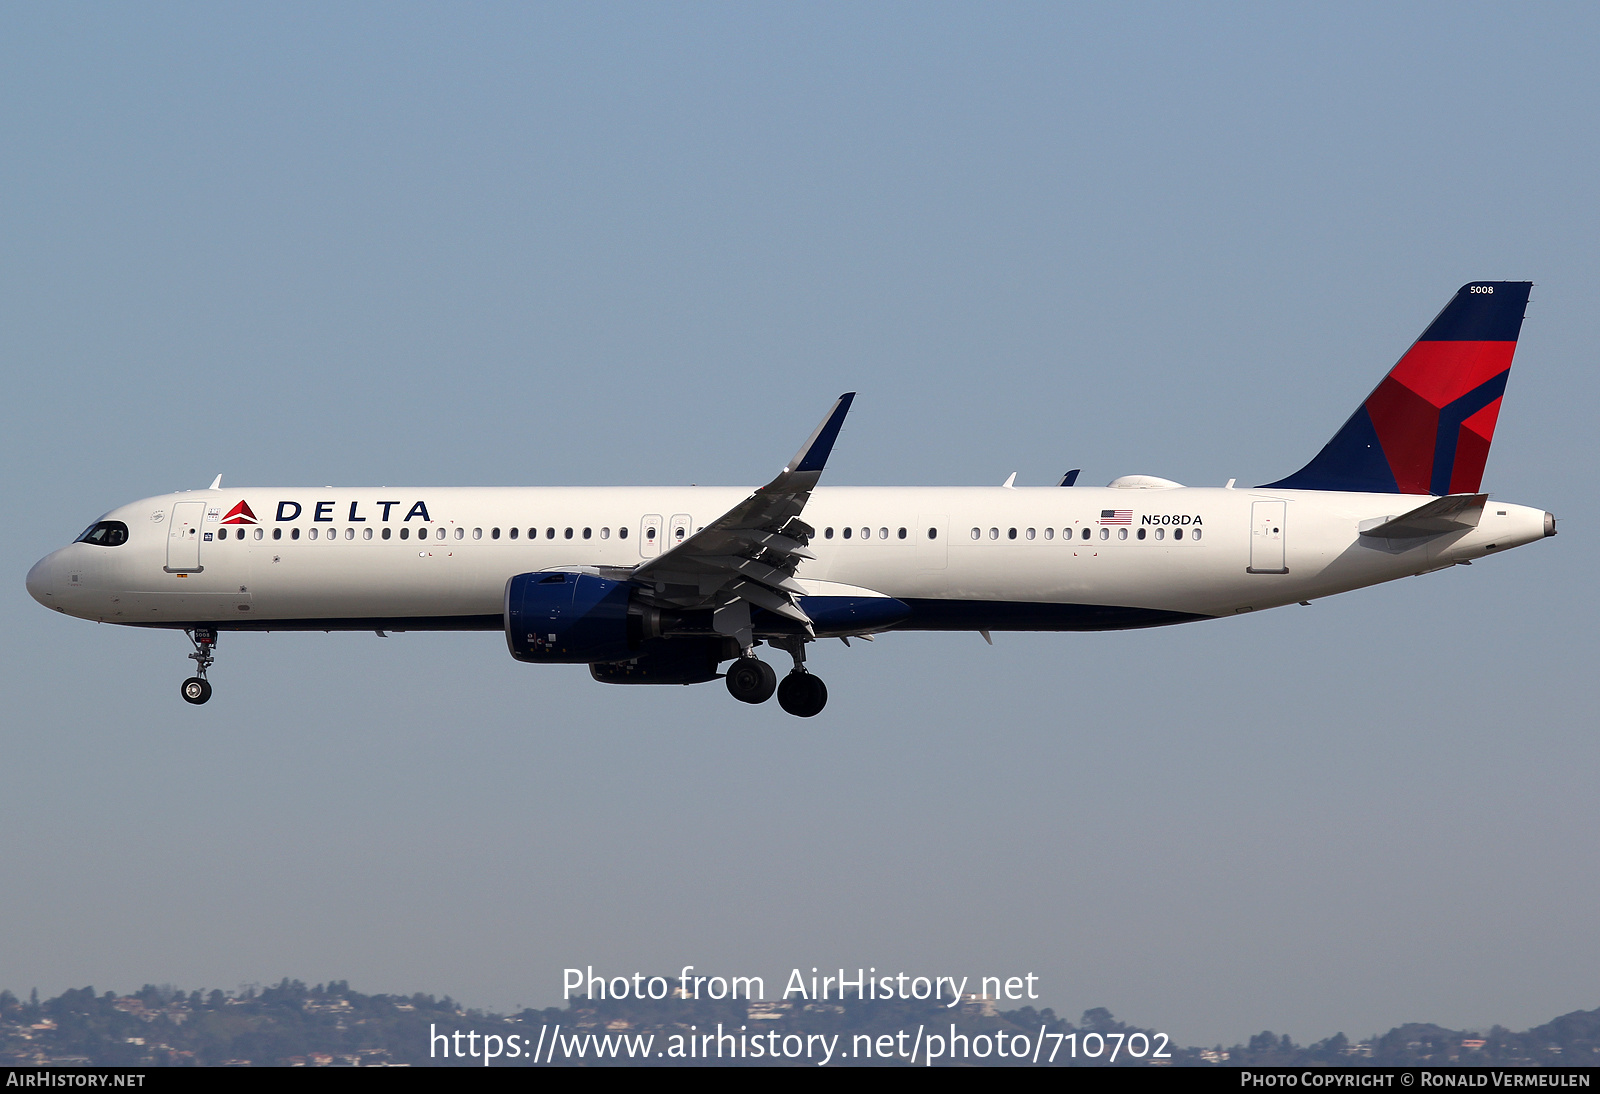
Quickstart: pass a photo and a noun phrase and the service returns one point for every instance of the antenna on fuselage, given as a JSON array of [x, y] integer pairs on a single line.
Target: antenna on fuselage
[[1070, 477], [216, 483]]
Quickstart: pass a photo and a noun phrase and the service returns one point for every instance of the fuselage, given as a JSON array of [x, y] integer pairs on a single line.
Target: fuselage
[[992, 558]]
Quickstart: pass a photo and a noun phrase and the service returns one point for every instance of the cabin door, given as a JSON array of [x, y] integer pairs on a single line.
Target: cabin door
[[1267, 524], [680, 528], [183, 537], [650, 533], [930, 537]]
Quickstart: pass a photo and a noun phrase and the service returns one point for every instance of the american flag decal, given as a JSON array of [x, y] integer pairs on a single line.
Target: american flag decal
[[1116, 516]]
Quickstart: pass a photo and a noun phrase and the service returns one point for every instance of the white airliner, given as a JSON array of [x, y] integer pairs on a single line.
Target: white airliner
[[661, 586]]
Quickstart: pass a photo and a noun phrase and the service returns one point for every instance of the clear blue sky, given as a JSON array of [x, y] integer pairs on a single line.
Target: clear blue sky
[[487, 244]]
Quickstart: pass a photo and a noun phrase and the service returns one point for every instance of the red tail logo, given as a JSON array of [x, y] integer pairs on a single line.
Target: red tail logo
[[240, 514]]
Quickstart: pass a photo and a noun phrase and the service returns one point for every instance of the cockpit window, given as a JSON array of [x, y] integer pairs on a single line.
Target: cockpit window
[[107, 533]]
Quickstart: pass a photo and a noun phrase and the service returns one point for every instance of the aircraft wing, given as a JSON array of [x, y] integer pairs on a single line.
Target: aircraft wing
[[747, 557], [1450, 513]]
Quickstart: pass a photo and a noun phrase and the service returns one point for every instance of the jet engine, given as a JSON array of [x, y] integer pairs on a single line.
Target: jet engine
[[582, 619], [568, 618]]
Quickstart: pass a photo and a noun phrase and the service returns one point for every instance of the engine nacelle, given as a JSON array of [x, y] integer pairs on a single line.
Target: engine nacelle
[[561, 618], [668, 661]]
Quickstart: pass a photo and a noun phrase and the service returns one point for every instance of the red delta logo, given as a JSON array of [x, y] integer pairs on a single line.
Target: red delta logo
[[240, 514]]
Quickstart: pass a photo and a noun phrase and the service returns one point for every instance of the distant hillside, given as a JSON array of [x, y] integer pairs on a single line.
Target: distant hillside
[[330, 1025]]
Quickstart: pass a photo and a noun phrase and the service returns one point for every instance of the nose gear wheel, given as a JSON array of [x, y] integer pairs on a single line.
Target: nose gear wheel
[[197, 689]]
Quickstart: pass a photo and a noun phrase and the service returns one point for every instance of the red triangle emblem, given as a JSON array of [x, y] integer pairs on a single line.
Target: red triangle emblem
[[240, 514]]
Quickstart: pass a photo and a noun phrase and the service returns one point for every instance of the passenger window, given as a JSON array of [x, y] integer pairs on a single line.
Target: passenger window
[[512, 532], [1122, 533], [1105, 533], [277, 533], [622, 533], [569, 533], [866, 533], [680, 533], [294, 533], [461, 533], [349, 533], [827, 533], [976, 534], [494, 533], [1011, 533], [846, 533], [1161, 533], [587, 532], [902, 533], [1141, 533], [1029, 533], [605, 533], [477, 533], [311, 534], [260, 533], [1086, 533], [1195, 535], [1049, 533], [386, 533], [883, 533], [438, 533], [994, 533], [933, 533], [1177, 533], [405, 533], [550, 533], [366, 533]]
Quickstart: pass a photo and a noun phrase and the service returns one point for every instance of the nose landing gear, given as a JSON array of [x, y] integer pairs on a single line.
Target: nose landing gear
[[197, 689]]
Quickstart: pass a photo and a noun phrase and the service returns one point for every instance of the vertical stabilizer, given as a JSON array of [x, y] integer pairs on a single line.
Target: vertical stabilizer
[[1426, 429]]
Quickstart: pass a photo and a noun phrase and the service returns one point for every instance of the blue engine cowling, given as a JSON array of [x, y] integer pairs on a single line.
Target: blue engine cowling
[[567, 619]]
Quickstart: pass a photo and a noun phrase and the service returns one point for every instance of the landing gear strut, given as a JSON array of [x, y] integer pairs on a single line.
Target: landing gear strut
[[801, 693], [197, 689]]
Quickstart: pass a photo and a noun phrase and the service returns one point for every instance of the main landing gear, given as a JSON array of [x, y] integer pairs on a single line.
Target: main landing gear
[[197, 689], [751, 680], [802, 694]]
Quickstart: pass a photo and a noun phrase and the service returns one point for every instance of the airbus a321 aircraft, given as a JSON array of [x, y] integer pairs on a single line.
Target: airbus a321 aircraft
[[661, 586]]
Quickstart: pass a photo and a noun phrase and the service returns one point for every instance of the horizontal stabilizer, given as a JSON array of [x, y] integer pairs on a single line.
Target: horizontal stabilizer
[[1451, 513]]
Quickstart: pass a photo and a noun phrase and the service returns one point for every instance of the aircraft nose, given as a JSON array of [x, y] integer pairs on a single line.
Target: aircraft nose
[[41, 580]]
